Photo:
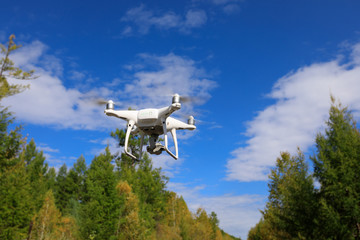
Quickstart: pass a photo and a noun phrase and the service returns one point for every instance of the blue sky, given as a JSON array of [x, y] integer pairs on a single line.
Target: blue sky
[[263, 69]]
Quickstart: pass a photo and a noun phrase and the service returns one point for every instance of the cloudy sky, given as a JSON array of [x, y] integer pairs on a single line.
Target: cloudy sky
[[262, 71]]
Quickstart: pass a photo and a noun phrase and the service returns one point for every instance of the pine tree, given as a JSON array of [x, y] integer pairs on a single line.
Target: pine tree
[[37, 170], [62, 194], [292, 204], [16, 205], [337, 168], [100, 211], [51, 179], [70, 185]]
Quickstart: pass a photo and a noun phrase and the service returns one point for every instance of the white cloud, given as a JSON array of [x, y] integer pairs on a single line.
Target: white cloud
[[228, 6], [356, 53], [174, 74], [50, 102], [76, 75], [231, 8], [45, 148], [195, 18], [144, 19], [302, 104], [237, 214]]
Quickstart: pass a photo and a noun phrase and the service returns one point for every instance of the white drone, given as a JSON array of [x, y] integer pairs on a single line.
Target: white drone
[[152, 122]]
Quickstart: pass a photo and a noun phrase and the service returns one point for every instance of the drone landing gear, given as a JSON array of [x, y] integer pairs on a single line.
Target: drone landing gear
[[154, 148]]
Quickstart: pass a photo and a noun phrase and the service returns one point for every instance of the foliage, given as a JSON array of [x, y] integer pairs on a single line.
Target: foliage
[[98, 202], [292, 202], [337, 168], [295, 209], [36, 168], [101, 207], [8, 70], [15, 201], [262, 231], [50, 225], [130, 226]]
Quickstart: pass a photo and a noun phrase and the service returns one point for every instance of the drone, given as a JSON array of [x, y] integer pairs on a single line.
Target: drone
[[152, 122]]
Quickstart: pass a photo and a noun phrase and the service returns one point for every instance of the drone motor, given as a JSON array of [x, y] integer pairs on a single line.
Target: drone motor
[[110, 105], [191, 120], [176, 98]]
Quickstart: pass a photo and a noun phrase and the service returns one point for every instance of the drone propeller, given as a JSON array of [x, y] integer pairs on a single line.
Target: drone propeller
[[186, 99], [101, 102]]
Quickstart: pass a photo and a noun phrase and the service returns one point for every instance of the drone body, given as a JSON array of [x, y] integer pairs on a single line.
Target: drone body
[[152, 122]]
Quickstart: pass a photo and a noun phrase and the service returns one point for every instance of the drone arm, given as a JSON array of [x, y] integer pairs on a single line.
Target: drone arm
[[167, 111], [122, 114], [179, 125], [127, 137], [173, 133]]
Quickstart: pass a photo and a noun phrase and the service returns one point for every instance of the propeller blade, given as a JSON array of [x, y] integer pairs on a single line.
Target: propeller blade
[[101, 102], [189, 99]]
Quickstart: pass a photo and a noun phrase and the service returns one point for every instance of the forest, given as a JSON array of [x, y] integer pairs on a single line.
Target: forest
[[323, 203], [112, 198]]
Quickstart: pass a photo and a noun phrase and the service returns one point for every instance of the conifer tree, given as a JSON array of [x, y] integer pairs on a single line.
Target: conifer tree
[[62, 194], [292, 204], [100, 211], [37, 170], [16, 205], [76, 178], [70, 185], [51, 178], [337, 167]]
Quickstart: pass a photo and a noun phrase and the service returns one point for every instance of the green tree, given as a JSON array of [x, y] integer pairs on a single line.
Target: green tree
[[337, 167], [292, 205], [8, 70], [51, 178], [36, 168], [76, 179], [147, 182], [214, 223], [16, 205], [70, 185], [262, 231], [62, 194], [100, 211]]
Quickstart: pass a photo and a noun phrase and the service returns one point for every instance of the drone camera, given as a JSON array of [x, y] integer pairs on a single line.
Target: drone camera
[[191, 120], [110, 105]]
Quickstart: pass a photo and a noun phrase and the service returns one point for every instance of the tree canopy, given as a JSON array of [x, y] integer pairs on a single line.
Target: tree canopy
[[295, 208]]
